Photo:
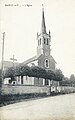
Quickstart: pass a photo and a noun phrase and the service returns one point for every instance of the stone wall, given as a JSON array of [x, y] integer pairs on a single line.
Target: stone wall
[[67, 89], [22, 89], [26, 89]]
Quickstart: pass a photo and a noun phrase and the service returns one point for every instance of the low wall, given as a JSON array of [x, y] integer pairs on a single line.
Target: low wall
[[26, 89], [67, 89], [6, 89]]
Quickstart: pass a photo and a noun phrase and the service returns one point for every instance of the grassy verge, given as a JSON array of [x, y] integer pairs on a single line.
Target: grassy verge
[[10, 98]]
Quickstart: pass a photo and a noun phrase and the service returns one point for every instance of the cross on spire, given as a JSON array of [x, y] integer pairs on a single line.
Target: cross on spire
[[13, 59]]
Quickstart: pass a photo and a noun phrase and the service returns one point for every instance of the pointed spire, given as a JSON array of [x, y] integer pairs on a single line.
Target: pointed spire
[[43, 26]]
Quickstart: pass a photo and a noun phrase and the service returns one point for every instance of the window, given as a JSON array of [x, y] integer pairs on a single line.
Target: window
[[44, 40], [40, 41], [47, 63], [47, 41]]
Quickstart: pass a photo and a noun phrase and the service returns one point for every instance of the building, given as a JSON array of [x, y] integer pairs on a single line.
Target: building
[[7, 65], [43, 58]]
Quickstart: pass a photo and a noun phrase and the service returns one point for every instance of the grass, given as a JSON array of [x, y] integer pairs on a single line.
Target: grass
[[10, 98]]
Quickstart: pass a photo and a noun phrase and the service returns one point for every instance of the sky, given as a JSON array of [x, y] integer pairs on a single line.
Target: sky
[[21, 20]]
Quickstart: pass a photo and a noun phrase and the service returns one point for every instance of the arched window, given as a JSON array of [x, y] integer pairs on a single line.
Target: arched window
[[44, 40], [47, 41], [46, 63], [40, 41]]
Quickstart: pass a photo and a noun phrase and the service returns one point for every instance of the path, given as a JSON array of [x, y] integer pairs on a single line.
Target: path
[[52, 108]]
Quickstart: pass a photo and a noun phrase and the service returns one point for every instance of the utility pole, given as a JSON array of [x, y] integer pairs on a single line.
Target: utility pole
[[2, 80]]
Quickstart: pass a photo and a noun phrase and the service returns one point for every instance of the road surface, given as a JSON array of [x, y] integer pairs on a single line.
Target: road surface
[[52, 108]]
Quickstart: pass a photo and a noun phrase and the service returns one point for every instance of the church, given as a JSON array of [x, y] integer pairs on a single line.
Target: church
[[42, 59]]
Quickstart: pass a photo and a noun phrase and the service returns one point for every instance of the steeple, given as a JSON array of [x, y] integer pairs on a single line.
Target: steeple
[[43, 39], [43, 26]]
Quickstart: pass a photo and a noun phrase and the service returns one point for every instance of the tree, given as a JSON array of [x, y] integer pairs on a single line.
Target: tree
[[35, 71], [72, 79], [42, 73], [65, 81], [38, 72], [26, 71], [23, 71], [10, 72], [50, 76], [58, 75]]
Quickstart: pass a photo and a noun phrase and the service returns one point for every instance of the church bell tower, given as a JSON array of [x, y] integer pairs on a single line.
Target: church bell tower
[[43, 38]]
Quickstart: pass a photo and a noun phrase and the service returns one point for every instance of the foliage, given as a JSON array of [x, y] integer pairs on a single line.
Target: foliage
[[42, 73], [34, 71], [72, 78], [23, 71], [50, 75], [38, 72], [10, 72], [58, 75], [68, 81]]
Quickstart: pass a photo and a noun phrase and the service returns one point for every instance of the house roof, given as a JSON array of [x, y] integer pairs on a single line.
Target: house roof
[[8, 64]]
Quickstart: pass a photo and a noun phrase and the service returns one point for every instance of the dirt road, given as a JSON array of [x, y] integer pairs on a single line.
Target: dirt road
[[52, 108]]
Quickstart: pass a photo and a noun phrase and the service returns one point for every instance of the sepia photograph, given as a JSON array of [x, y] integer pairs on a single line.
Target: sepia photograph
[[37, 60]]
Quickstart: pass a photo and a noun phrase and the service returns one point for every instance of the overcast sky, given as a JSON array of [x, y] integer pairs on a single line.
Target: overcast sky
[[21, 24]]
